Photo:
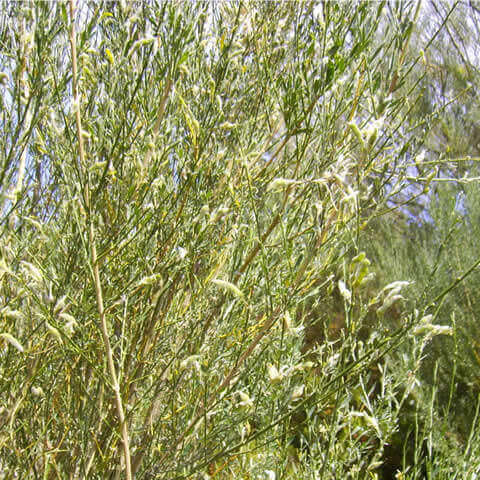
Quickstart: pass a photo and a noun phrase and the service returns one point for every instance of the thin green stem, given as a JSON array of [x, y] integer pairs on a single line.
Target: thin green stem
[[94, 258]]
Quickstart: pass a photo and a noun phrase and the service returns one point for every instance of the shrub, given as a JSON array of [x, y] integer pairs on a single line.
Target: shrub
[[179, 181]]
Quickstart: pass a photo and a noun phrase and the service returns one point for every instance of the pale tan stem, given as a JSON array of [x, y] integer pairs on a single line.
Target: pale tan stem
[[94, 259], [25, 48]]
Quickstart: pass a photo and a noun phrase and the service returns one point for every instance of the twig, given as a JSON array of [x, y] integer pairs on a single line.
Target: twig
[[94, 257]]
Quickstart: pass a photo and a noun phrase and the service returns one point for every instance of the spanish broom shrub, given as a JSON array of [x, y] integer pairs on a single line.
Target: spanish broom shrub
[[186, 188]]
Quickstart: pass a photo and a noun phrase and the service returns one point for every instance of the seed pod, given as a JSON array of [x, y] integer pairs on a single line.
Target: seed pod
[[354, 128]]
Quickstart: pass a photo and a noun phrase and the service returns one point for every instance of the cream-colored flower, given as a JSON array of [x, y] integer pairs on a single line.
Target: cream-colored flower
[[228, 286], [279, 184], [344, 291], [245, 401], [298, 392], [54, 332], [273, 374], [12, 341], [37, 391]]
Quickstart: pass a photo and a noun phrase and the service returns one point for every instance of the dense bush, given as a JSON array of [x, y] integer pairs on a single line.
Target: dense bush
[[184, 290]]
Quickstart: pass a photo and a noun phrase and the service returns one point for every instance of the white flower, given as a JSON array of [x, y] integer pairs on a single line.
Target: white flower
[[192, 361], [67, 317], [245, 431], [351, 196], [60, 304], [278, 184], [204, 211], [54, 332], [317, 12], [15, 314], [333, 361], [420, 157], [297, 392], [158, 182], [69, 328], [425, 327], [396, 285], [228, 286], [33, 272], [218, 214], [70, 324], [392, 291], [304, 366], [245, 401], [182, 252], [270, 474], [227, 126], [390, 299], [273, 374], [37, 391], [344, 291], [12, 341]]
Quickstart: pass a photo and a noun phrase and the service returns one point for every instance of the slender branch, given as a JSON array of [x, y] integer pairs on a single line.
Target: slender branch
[[267, 325], [160, 115], [25, 91], [94, 258], [456, 282]]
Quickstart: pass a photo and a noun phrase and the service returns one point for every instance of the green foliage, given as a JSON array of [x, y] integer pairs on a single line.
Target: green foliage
[[436, 247], [186, 189], [436, 255]]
